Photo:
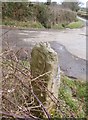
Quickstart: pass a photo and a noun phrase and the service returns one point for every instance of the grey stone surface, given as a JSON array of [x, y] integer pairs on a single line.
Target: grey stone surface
[[44, 60]]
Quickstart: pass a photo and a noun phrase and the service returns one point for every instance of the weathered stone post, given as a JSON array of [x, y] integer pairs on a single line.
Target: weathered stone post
[[44, 60]]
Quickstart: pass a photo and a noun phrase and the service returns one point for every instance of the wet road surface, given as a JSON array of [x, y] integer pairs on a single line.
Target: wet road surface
[[69, 44]]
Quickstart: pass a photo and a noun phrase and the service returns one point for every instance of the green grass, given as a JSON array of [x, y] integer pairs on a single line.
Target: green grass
[[25, 63], [58, 26], [23, 24], [72, 97], [77, 24], [31, 24], [28, 24]]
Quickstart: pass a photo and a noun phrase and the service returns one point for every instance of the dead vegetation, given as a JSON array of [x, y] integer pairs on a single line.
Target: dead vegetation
[[19, 98], [18, 89]]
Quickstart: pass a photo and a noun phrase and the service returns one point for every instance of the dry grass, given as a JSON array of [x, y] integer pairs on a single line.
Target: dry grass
[[19, 96], [24, 96]]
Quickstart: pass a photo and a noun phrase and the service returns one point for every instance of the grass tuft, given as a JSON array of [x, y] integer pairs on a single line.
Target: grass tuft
[[23, 24], [72, 99], [77, 24]]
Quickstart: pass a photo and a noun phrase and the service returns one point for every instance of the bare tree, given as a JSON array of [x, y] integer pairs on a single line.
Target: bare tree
[[73, 5]]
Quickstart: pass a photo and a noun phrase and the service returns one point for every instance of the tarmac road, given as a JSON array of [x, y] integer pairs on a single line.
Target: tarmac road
[[69, 44]]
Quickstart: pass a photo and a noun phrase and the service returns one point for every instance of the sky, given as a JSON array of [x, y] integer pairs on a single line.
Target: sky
[[58, 1]]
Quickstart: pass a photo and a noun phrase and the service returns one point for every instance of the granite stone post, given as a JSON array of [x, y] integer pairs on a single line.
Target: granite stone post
[[44, 61]]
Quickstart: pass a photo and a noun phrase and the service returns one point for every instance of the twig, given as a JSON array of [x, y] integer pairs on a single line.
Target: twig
[[40, 76], [35, 98], [17, 116]]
